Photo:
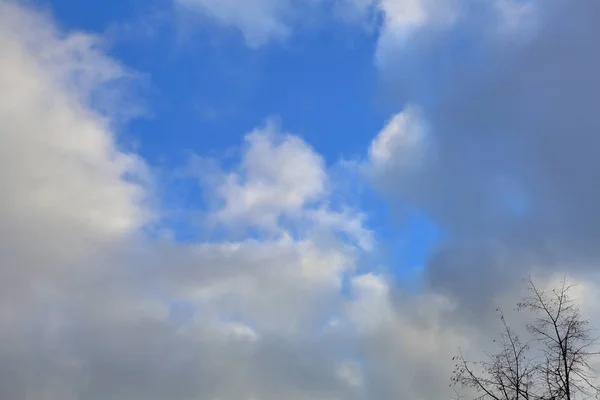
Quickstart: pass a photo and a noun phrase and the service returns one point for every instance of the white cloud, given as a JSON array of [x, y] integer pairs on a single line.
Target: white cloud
[[86, 307], [60, 169], [407, 345], [301, 248], [278, 285], [403, 142], [404, 18], [278, 175]]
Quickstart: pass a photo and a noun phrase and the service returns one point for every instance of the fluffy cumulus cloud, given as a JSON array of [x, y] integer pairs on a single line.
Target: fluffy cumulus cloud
[[279, 175], [61, 171]]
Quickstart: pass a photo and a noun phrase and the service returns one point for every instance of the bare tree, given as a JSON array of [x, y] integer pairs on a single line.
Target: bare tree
[[554, 364], [565, 340], [507, 374]]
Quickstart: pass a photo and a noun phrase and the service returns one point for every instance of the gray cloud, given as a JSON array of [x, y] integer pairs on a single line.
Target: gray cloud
[[514, 130]]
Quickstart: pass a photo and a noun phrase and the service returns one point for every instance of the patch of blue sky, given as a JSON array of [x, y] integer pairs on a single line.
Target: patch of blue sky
[[406, 240], [209, 89]]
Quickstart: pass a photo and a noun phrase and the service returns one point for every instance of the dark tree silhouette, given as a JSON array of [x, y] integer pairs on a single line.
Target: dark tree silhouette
[[553, 364]]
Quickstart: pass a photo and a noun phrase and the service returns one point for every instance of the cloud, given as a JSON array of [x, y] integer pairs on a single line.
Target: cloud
[[93, 307], [279, 174], [59, 165], [281, 187], [401, 144], [504, 167], [403, 19], [510, 173], [406, 25], [406, 342]]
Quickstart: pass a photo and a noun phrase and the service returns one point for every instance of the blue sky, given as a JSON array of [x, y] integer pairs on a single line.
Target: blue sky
[[205, 88], [207, 84]]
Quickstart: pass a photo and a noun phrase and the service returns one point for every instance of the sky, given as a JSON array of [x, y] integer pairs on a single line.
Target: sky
[[299, 199]]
